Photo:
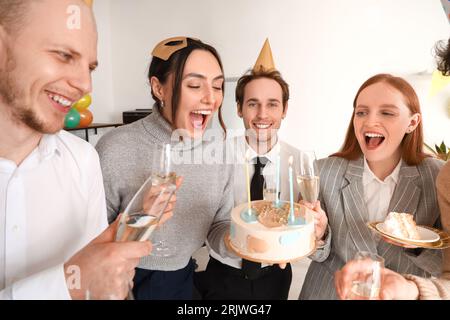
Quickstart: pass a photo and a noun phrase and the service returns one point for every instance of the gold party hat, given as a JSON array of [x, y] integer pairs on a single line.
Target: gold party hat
[[167, 47], [265, 59]]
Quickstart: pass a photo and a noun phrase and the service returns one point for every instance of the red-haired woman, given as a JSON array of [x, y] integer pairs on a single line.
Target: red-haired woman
[[380, 168], [395, 286]]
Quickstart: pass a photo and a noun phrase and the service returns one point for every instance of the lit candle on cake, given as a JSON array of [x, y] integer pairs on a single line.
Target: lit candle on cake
[[247, 177], [248, 215], [277, 189], [291, 191]]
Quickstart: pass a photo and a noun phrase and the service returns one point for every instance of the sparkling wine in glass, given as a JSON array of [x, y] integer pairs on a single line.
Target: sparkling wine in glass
[[269, 188], [143, 213], [309, 187], [367, 284], [361, 290], [308, 176], [146, 208]]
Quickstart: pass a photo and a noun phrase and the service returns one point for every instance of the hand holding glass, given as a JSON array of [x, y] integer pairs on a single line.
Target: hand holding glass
[[149, 205], [367, 282], [137, 224]]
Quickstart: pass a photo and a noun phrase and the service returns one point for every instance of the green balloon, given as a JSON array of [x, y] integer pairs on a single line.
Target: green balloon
[[72, 119]]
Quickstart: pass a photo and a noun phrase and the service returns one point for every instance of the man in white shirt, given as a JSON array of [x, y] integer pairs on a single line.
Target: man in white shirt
[[262, 102], [52, 200]]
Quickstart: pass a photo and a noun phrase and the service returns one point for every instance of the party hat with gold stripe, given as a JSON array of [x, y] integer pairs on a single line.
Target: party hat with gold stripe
[[89, 2]]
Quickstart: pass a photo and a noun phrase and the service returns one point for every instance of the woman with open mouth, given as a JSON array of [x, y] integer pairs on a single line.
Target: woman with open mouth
[[381, 168], [187, 83]]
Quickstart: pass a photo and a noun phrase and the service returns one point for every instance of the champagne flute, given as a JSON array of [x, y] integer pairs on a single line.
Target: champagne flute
[[146, 208], [308, 176], [368, 282], [164, 178], [269, 188]]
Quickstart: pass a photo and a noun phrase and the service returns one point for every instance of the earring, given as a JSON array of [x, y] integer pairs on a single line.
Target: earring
[[161, 104]]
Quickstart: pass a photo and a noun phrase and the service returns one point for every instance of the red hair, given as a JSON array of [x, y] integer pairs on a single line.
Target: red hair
[[412, 143]]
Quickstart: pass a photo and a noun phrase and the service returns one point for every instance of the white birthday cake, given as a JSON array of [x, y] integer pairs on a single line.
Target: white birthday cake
[[270, 238]]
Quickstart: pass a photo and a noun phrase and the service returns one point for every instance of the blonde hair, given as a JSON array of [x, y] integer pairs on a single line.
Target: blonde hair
[[12, 14]]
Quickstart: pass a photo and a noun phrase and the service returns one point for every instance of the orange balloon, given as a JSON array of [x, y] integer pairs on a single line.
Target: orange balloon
[[86, 118]]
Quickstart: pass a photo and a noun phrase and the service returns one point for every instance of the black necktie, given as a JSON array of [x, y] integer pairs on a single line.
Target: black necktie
[[251, 268], [257, 184]]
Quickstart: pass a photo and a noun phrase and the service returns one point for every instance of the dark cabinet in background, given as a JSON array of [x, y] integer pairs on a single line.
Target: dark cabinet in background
[[133, 115]]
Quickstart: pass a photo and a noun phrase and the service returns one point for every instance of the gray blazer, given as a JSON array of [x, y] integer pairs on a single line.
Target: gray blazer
[[341, 195]]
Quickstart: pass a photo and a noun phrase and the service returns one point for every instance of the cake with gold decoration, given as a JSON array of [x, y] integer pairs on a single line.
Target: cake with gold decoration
[[272, 237]]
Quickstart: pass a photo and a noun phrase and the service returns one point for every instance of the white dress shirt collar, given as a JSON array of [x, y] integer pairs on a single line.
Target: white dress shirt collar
[[46, 149], [271, 155], [48, 146], [377, 193], [369, 176]]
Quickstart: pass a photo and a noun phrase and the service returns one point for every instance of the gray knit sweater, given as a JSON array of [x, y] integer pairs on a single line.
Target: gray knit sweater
[[204, 201]]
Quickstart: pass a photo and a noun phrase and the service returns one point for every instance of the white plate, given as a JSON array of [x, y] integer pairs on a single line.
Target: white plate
[[426, 235]]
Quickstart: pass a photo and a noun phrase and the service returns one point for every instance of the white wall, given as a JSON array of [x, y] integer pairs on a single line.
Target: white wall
[[103, 107], [325, 50]]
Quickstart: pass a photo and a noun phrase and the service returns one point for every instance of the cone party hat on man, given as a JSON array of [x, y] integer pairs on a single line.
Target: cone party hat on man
[[265, 59]]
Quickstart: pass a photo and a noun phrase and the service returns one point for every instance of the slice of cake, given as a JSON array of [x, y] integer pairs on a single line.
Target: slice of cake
[[401, 225]]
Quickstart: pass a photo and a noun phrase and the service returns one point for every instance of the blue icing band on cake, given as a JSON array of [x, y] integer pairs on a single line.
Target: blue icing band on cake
[[298, 221], [289, 239], [249, 215]]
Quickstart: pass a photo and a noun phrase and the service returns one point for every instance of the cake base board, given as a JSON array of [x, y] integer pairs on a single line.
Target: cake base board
[[233, 249]]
